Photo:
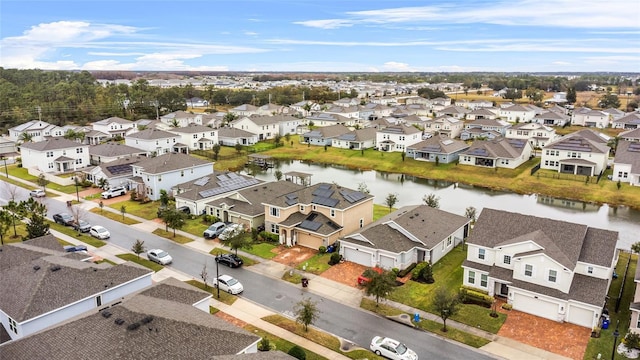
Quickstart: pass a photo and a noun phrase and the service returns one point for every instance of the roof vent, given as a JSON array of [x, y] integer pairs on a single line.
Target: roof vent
[[106, 314], [147, 319], [133, 326], [55, 268], [119, 321], [36, 267]]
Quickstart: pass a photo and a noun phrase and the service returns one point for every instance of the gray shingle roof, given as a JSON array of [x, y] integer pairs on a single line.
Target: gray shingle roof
[[498, 148], [331, 131], [230, 132], [113, 149], [628, 153], [55, 143], [170, 162], [150, 134], [251, 201], [216, 184], [340, 195], [440, 145]]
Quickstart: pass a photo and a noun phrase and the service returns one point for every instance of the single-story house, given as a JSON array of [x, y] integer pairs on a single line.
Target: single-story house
[[439, 147]]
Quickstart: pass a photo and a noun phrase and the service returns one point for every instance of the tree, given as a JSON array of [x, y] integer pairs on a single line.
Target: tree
[[239, 240], [123, 210], [362, 187], [306, 312], [164, 197], [635, 247], [216, 151], [380, 284], [229, 117], [277, 139], [6, 219], [391, 200], [426, 273], [25, 137], [609, 100], [238, 148], [36, 225], [278, 175], [512, 94], [204, 275], [138, 247], [42, 181], [14, 210], [78, 214], [174, 219], [431, 200], [103, 183], [470, 213], [446, 304], [287, 137], [571, 95]]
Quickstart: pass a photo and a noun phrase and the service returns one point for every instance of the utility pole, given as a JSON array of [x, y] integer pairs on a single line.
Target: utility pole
[[39, 112]]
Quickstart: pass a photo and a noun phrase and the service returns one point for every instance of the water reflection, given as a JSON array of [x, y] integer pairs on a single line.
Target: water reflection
[[455, 197]]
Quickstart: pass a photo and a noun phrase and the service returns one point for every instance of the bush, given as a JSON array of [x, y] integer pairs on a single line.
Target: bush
[[297, 352], [264, 345], [469, 296], [403, 273], [507, 306], [335, 258], [632, 340], [415, 273], [322, 249], [267, 236]]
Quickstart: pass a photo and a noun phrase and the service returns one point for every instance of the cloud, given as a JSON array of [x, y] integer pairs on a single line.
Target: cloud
[[327, 24], [251, 33]]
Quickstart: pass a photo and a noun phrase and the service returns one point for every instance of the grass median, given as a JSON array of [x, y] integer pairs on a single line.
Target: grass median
[[180, 239], [141, 261], [113, 216]]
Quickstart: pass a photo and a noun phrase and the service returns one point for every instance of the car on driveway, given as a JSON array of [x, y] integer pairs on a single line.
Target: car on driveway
[[99, 232], [230, 231], [159, 256], [37, 193], [392, 349], [231, 260], [63, 219], [81, 225], [113, 192], [214, 230], [228, 284], [363, 279]]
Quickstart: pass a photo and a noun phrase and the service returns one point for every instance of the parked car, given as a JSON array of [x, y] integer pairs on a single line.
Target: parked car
[[184, 209], [366, 275], [63, 219], [81, 225], [159, 256], [113, 192], [37, 193], [229, 231], [214, 230], [392, 349], [228, 284], [75, 248], [99, 232], [231, 260]]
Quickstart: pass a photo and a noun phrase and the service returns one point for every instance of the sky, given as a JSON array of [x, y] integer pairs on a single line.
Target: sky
[[322, 35]]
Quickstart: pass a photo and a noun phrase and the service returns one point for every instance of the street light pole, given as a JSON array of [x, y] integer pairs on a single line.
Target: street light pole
[[5, 166], [217, 279], [616, 333], [75, 179]]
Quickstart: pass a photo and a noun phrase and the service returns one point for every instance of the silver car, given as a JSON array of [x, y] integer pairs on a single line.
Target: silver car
[[159, 256], [228, 284], [99, 232]]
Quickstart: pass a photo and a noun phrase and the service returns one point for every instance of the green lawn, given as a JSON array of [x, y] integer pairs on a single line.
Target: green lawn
[[15, 237], [21, 173], [318, 264], [84, 237], [148, 211], [380, 211], [114, 216], [195, 226], [263, 250], [180, 239], [281, 344], [142, 261], [224, 296], [245, 260]]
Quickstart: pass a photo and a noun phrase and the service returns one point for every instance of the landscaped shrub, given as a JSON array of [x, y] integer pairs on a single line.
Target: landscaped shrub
[[404, 272], [335, 258], [322, 249], [632, 340], [468, 296], [415, 273], [267, 236], [507, 306], [264, 344], [297, 352]]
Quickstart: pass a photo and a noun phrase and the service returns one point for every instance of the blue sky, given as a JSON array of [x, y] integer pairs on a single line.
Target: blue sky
[[322, 35]]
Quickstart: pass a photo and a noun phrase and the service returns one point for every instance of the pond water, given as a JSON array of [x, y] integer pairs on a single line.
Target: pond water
[[455, 198]]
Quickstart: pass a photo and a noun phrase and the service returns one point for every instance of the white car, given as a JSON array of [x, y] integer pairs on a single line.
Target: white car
[[99, 232], [230, 231], [113, 192], [392, 349], [228, 284], [159, 256], [37, 193]]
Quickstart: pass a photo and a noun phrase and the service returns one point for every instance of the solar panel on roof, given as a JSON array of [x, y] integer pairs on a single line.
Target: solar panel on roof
[[202, 181], [635, 147], [291, 201], [447, 142], [479, 151], [222, 177], [310, 225], [120, 169], [325, 201], [324, 186], [227, 186], [234, 176], [291, 196], [333, 225]]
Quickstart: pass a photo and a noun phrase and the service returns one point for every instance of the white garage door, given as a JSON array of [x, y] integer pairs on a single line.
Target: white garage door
[[386, 262], [357, 256], [580, 316], [537, 307]]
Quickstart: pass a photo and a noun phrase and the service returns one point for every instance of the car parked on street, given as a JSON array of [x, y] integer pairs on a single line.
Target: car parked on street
[[228, 284], [75, 248], [392, 349], [37, 193], [231, 260], [63, 219], [81, 226], [214, 230], [113, 192], [159, 256], [99, 232]]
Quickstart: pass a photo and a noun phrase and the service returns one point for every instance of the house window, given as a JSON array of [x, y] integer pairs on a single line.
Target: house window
[[313, 207], [528, 270], [275, 228], [181, 172], [301, 208], [13, 325], [99, 300], [361, 223], [472, 277], [333, 212], [50, 165], [79, 151], [195, 136], [483, 280], [481, 254], [49, 153], [589, 269], [507, 259], [78, 161], [449, 241], [553, 275], [274, 211]]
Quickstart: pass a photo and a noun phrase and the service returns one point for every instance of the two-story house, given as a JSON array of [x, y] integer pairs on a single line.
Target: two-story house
[[538, 135], [266, 127], [153, 141], [626, 164], [114, 126], [409, 235], [196, 137], [591, 118], [55, 155], [397, 138], [323, 136], [484, 128], [518, 113], [317, 215], [497, 153], [439, 147], [549, 268], [109, 152], [456, 112], [182, 118], [583, 152], [116, 173], [165, 172], [36, 130], [444, 125], [245, 110]]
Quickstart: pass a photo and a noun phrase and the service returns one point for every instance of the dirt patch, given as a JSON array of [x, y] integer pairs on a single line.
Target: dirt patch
[[114, 200], [294, 255], [345, 273], [230, 319]]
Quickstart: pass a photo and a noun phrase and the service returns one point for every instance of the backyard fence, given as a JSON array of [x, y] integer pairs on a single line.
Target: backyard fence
[[563, 176]]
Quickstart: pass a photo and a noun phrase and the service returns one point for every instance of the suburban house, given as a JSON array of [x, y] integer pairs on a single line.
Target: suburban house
[[272, 109], [440, 147], [305, 107], [444, 125], [456, 112], [591, 118], [109, 152], [229, 136], [151, 323], [323, 136], [626, 164], [630, 121], [246, 206], [182, 118], [549, 268], [317, 215], [409, 235], [538, 135], [44, 286], [484, 128], [551, 118], [245, 110], [346, 102], [397, 138], [55, 155], [634, 323], [267, 127], [356, 140], [166, 171], [93, 137], [196, 102], [195, 194], [153, 141], [36, 129], [614, 114], [325, 119], [196, 137], [630, 135], [116, 172], [518, 113], [114, 126], [490, 113], [8, 148], [583, 152], [497, 153]]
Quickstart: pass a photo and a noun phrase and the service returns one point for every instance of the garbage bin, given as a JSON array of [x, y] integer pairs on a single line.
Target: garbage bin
[[305, 282], [69, 203], [416, 317], [605, 324]]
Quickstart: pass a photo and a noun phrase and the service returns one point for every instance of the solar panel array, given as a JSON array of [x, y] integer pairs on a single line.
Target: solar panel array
[[325, 201], [447, 142], [202, 181], [291, 199], [479, 152], [310, 225], [635, 147], [227, 183], [333, 225], [323, 190], [352, 196], [516, 143], [120, 169], [573, 145]]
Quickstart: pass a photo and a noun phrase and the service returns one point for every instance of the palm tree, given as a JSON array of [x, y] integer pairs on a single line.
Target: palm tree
[[25, 137]]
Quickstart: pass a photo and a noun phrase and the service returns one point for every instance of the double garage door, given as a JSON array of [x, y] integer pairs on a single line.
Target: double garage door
[[357, 256], [538, 307]]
